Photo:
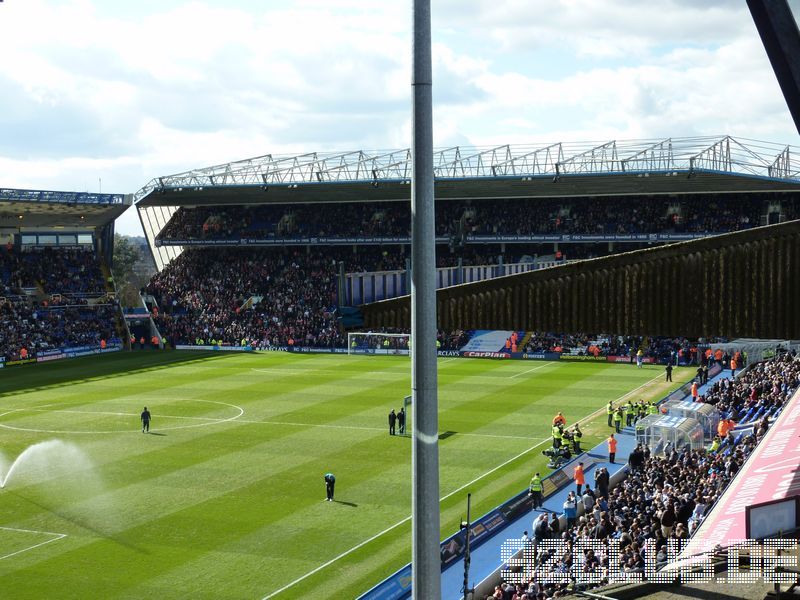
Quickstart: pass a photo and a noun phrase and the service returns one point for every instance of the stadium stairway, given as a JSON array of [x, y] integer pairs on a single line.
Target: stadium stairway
[[526, 337]]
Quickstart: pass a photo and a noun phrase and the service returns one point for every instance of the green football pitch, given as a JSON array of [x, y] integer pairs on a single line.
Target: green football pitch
[[224, 497]]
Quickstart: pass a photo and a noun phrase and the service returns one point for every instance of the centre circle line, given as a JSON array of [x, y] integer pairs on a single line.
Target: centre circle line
[[207, 420]]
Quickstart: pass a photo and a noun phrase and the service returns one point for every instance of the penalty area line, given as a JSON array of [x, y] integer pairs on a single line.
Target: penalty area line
[[530, 370], [55, 538]]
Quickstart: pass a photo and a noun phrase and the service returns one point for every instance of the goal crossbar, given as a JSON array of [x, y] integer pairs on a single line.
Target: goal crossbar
[[378, 343]]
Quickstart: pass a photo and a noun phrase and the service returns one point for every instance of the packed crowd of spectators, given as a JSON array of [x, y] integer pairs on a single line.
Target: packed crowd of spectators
[[767, 385], [268, 297], [663, 497], [696, 214], [661, 349], [57, 313], [56, 270], [26, 329]]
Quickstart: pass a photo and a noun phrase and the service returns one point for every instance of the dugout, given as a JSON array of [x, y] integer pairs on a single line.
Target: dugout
[[664, 432], [705, 414]]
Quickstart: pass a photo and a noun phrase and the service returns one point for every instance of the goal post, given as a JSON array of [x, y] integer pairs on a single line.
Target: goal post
[[407, 409], [378, 343]]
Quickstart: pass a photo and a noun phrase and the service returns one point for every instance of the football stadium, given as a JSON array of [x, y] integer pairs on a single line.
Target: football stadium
[[613, 355]]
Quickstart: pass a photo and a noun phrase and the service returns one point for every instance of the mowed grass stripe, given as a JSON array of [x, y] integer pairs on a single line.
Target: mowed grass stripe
[[230, 511]]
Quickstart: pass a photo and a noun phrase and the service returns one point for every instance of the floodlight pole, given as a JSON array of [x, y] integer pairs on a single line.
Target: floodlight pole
[[425, 556]]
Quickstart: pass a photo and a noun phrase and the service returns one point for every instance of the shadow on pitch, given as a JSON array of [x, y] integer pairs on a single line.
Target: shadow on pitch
[[157, 433], [353, 504], [81, 370]]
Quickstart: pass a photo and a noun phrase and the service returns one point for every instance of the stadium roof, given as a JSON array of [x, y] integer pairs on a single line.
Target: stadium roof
[[45, 208], [691, 165]]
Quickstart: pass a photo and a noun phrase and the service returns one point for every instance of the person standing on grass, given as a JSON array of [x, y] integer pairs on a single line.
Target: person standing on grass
[[145, 420], [392, 421], [668, 370], [401, 421], [330, 483], [618, 419]]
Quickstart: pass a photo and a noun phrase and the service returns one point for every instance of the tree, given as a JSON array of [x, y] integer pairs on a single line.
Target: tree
[[126, 256]]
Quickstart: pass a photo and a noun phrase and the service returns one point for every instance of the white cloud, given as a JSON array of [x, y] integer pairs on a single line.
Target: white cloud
[[90, 92]]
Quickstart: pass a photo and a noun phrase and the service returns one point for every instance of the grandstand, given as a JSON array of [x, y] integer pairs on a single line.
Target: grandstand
[[500, 211], [57, 296], [236, 242], [277, 254], [262, 201]]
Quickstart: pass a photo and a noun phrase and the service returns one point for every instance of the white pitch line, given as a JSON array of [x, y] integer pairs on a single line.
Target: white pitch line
[[58, 536], [365, 428], [396, 525], [293, 371], [531, 370], [408, 518], [206, 420], [112, 414]]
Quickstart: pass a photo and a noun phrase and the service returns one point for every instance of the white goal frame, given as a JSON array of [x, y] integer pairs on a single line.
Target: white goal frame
[[364, 342]]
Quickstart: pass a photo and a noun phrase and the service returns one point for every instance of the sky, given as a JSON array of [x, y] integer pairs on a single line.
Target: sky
[[104, 95]]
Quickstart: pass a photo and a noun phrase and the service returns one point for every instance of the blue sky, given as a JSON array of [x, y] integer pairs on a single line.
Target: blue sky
[[127, 91]]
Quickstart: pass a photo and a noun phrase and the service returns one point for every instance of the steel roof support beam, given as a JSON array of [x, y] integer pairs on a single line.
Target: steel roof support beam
[[781, 38], [529, 163], [598, 156], [717, 155], [651, 158], [781, 167]]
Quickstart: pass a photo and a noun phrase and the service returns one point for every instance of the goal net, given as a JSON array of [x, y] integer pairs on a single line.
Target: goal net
[[377, 343]]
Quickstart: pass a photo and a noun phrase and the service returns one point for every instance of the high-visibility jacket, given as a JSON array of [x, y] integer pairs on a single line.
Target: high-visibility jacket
[[579, 476], [652, 409], [556, 433], [612, 444], [536, 484], [609, 408], [618, 416], [629, 408], [714, 445]]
